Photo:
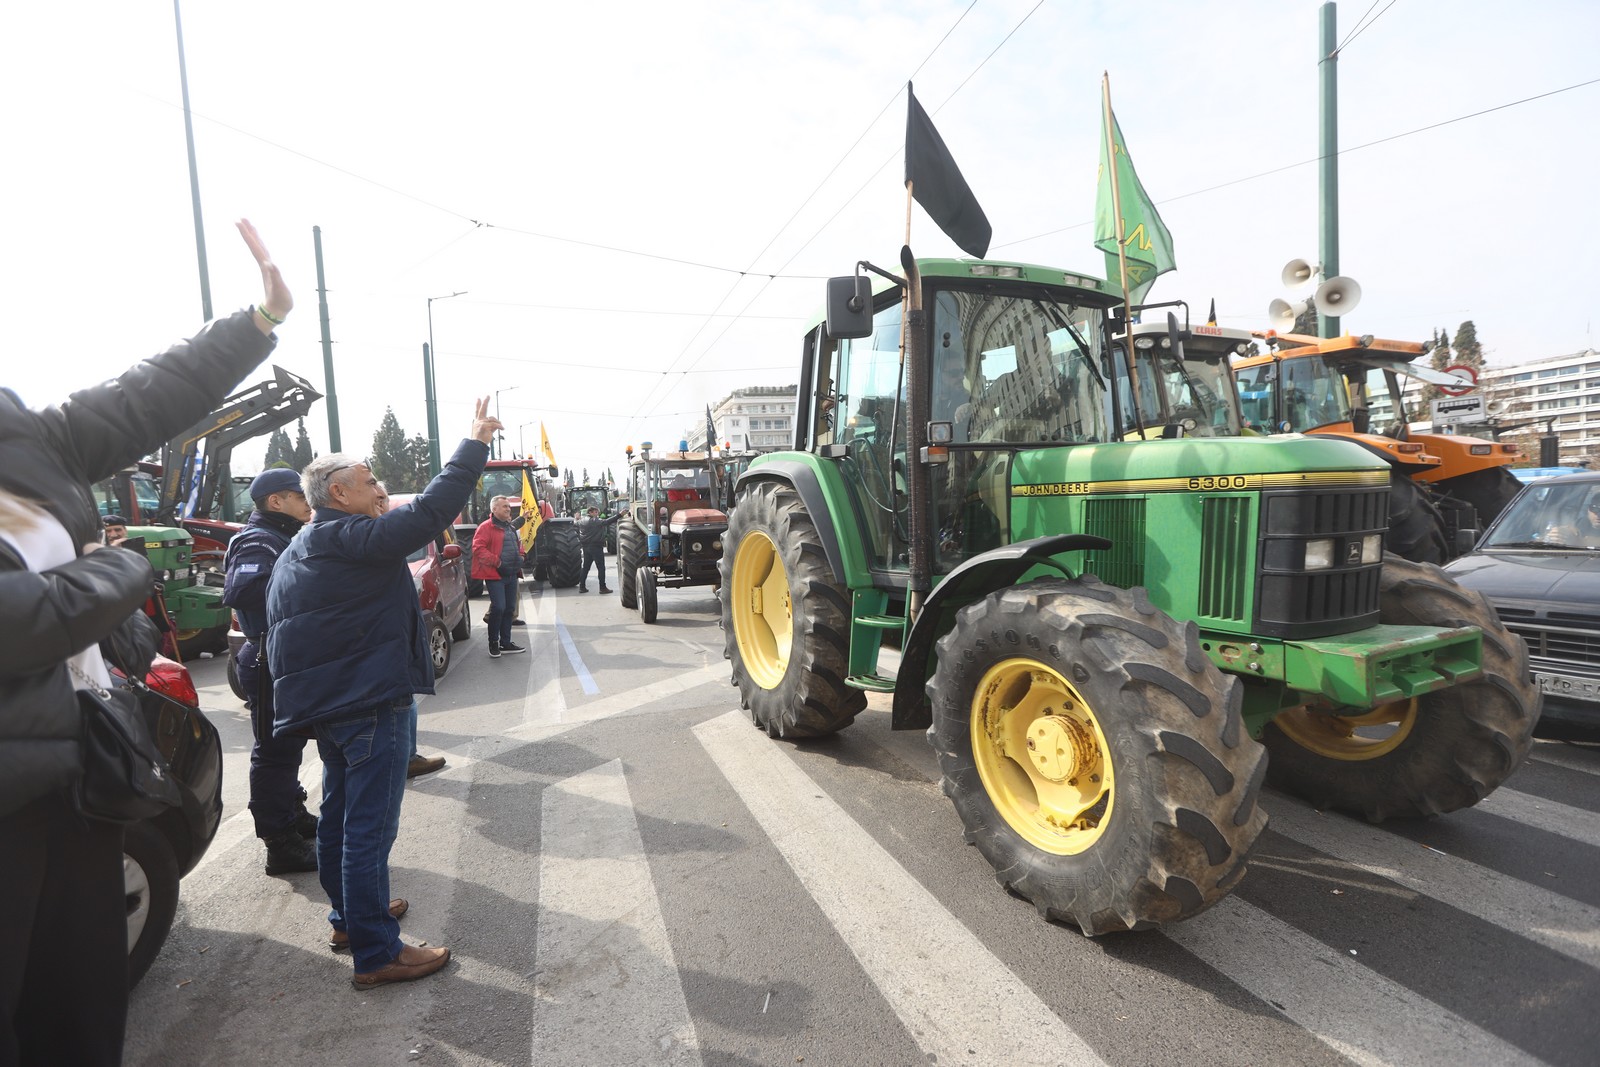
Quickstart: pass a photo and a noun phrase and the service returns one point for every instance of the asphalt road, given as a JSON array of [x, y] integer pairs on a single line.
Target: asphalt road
[[628, 873]]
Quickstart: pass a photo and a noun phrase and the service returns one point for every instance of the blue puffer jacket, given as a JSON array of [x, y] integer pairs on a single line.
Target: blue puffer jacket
[[344, 631]]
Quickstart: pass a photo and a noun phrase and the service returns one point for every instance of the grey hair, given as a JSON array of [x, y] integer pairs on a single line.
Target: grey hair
[[320, 474]]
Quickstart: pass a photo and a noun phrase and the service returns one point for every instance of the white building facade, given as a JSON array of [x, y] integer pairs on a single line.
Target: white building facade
[[757, 418]]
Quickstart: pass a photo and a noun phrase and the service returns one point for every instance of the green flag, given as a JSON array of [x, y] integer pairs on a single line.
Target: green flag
[[1146, 240]]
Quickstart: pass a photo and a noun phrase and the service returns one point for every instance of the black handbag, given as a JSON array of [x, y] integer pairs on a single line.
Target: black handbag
[[124, 779]]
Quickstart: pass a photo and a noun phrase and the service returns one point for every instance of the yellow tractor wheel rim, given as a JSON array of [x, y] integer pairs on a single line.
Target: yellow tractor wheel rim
[[1042, 756], [1335, 736], [763, 618]]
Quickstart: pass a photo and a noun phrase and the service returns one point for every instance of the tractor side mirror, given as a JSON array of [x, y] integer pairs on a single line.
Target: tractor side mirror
[[849, 307]]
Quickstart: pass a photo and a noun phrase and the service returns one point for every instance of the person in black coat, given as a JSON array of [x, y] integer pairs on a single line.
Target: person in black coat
[[63, 923]]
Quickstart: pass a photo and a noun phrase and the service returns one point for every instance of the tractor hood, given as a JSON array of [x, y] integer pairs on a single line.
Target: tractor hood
[[1279, 461]]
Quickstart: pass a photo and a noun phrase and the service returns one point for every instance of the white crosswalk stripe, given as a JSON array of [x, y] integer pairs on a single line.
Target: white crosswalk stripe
[[1553, 817], [606, 991], [1354, 1010], [1557, 922], [957, 1000]]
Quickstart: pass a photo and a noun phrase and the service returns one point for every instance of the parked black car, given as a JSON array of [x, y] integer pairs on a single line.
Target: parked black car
[[158, 852], [1539, 565]]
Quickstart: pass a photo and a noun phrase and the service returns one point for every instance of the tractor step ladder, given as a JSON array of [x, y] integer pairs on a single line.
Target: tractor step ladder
[[868, 623]]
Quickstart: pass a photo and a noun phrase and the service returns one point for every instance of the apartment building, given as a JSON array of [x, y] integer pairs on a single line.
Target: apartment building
[[756, 418]]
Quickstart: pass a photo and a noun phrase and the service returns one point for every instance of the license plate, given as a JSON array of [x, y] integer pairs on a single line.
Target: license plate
[[1562, 685]]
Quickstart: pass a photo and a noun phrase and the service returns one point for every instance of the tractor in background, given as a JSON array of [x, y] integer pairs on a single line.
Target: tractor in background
[[671, 536]]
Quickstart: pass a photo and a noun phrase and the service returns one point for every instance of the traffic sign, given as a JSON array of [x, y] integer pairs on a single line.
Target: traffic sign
[[1453, 409], [1460, 369]]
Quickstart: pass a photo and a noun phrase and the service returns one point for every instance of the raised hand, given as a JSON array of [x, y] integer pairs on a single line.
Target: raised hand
[[484, 425], [276, 300]]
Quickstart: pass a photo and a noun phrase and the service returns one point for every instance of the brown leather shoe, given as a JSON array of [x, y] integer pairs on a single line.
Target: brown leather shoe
[[423, 765], [339, 940], [412, 963]]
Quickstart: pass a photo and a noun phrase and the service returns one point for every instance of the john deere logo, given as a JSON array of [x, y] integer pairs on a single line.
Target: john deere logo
[[1352, 552]]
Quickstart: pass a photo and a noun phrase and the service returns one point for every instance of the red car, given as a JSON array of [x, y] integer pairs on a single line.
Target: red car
[[440, 570]]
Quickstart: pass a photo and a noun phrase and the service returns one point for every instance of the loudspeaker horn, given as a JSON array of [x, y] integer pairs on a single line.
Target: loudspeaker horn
[[1495, 407], [1283, 314], [1338, 296], [1299, 272]]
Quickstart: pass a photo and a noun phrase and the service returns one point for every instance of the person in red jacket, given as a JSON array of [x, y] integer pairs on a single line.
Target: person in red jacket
[[497, 562]]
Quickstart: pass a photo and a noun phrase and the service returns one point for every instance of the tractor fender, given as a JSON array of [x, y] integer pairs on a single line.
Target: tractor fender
[[1390, 458], [805, 482], [977, 577]]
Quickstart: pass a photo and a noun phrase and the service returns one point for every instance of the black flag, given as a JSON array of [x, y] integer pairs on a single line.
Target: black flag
[[936, 183], [1212, 319]]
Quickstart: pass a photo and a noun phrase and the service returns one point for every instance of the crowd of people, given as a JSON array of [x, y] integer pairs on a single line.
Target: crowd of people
[[335, 653]]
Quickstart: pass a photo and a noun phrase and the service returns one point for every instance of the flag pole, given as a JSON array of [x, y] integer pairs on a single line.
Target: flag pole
[[1122, 249]]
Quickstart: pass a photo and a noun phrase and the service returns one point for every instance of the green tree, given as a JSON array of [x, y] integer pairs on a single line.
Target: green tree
[[1439, 358], [280, 453], [417, 449], [391, 458], [302, 447], [1468, 352]]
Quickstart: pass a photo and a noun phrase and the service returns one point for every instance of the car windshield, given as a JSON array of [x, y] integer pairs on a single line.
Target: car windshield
[[1560, 515]]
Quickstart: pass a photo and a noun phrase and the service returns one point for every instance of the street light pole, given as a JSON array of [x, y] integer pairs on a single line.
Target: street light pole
[[430, 390], [522, 443], [500, 436]]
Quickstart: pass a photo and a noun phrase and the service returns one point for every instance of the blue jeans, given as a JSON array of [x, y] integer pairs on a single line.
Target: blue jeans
[[363, 782], [502, 608]]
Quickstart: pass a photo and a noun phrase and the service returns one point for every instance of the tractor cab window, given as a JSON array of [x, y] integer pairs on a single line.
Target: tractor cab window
[[869, 419], [1313, 394], [1197, 392]]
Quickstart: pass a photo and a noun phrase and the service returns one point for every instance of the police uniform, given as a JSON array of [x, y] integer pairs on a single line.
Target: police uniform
[[276, 799]]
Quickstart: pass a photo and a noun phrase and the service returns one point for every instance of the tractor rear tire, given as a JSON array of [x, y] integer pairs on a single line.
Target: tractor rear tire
[[630, 551], [564, 564], [1095, 755], [785, 620], [1416, 529], [1488, 491], [1439, 752]]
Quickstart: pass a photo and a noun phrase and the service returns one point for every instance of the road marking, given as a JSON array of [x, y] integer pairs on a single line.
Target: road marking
[[1557, 922], [956, 999], [606, 987], [1553, 817], [544, 701], [1586, 760], [585, 679], [627, 700], [1351, 1008]]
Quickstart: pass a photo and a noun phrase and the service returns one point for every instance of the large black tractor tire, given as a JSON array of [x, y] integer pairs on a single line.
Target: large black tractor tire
[[150, 884], [193, 642], [785, 620], [630, 551], [562, 554], [1096, 757], [1416, 529], [1488, 491], [647, 595], [1442, 751]]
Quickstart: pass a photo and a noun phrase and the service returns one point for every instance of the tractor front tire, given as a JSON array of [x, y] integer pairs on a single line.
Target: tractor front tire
[[1095, 755], [1416, 528], [565, 554], [647, 595], [630, 551], [1436, 753], [785, 619]]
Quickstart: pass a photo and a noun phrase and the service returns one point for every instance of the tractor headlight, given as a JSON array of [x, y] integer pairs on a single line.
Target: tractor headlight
[[1372, 548], [696, 546], [716, 546], [1319, 554]]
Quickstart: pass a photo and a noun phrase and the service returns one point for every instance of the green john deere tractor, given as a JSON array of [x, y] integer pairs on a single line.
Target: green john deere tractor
[[1114, 619]]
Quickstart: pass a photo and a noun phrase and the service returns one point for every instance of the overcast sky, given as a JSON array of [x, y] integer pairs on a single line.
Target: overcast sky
[[491, 147]]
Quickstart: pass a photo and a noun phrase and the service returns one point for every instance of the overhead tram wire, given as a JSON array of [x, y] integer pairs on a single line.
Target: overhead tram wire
[[982, 63], [1357, 26], [477, 223], [1360, 29], [809, 197], [1316, 159]]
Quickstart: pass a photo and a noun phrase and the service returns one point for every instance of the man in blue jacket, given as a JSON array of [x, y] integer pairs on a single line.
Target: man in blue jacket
[[347, 646], [275, 794]]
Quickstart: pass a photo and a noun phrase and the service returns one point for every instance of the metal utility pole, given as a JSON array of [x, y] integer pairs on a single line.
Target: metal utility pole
[[430, 390], [194, 172], [327, 346], [1328, 160]]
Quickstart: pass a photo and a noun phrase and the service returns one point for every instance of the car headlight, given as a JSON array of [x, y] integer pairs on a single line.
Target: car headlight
[[1319, 554]]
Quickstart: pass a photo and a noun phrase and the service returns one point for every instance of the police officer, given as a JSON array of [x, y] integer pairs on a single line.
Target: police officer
[[276, 799]]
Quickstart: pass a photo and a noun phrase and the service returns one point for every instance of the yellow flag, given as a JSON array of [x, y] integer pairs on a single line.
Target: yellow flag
[[530, 508], [544, 437]]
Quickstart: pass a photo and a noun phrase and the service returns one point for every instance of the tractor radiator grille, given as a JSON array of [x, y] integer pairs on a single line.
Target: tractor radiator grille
[[1227, 553], [1121, 521], [1294, 600]]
